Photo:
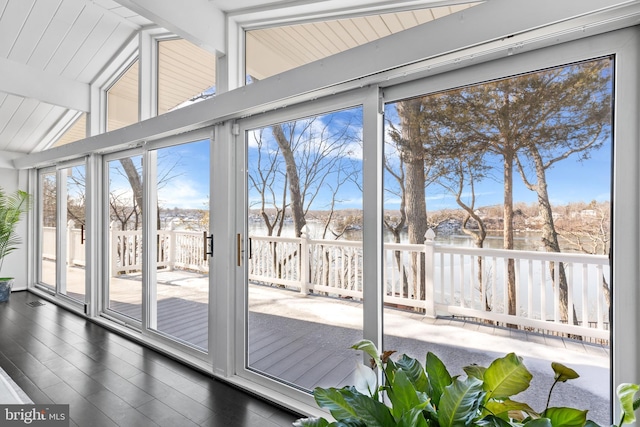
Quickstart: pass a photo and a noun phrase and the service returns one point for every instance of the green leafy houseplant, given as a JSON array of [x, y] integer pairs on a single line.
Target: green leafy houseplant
[[416, 396], [12, 207]]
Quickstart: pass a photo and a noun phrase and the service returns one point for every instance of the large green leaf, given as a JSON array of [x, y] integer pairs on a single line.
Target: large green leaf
[[492, 421], [333, 400], [499, 407], [505, 377], [404, 397], [566, 417], [563, 373], [12, 207], [460, 402], [413, 418], [439, 377], [539, 422], [476, 371], [626, 393], [346, 404], [311, 422], [348, 423], [415, 372]]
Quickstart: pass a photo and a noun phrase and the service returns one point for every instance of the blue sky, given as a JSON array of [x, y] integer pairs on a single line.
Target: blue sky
[[569, 180]]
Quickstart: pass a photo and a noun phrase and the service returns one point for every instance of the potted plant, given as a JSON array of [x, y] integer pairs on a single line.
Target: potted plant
[[12, 207], [415, 396]]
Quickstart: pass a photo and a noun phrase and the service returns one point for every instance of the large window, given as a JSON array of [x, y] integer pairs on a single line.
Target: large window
[[305, 239], [497, 214]]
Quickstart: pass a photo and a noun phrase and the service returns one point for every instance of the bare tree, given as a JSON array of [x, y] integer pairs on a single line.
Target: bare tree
[[587, 228], [534, 120]]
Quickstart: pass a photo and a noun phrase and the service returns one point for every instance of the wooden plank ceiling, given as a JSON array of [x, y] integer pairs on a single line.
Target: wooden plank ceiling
[[60, 41], [273, 50]]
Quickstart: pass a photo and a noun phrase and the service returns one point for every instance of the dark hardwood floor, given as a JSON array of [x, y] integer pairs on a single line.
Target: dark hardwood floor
[[58, 357]]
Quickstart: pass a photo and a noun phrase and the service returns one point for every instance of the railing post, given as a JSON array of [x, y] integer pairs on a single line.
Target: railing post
[[112, 247], [71, 244], [173, 247], [304, 261], [429, 272]]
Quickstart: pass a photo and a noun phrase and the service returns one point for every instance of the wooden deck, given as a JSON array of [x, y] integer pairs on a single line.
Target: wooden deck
[[305, 341]]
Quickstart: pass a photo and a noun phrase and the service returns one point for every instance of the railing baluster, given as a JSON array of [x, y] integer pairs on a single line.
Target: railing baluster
[[543, 291], [442, 295], [585, 295], [462, 290], [568, 268], [472, 280], [494, 283], [516, 263], [505, 286], [599, 297], [530, 290], [451, 280], [556, 292]]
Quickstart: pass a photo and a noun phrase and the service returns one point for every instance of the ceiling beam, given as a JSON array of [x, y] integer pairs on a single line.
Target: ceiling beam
[[29, 82], [198, 21]]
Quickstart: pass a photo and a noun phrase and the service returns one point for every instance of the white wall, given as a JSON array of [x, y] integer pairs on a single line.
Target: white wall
[[15, 265]]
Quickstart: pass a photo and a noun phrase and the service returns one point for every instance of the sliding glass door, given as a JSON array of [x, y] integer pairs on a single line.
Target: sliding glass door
[[73, 238], [181, 244], [303, 272], [159, 245], [123, 293], [62, 219], [48, 225], [491, 204]]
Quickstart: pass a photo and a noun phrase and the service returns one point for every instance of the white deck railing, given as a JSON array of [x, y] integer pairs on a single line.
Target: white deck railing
[[176, 250], [439, 279], [434, 279]]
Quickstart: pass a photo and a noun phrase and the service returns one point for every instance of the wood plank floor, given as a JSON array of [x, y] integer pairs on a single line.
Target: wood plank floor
[[58, 357]]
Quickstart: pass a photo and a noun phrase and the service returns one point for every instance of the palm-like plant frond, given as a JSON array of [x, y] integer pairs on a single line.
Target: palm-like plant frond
[[12, 207]]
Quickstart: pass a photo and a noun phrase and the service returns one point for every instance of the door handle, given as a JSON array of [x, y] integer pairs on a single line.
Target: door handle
[[208, 244]]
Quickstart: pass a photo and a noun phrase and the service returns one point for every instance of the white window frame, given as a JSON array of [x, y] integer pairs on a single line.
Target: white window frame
[[624, 45]]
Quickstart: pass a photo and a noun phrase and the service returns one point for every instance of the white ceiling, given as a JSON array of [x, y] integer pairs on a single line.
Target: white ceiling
[[51, 51]]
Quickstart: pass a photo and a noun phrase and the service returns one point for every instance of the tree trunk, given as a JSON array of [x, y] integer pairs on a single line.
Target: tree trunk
[[416, 206], [297, 211], [508, 231], [134, 180], [550, 238]]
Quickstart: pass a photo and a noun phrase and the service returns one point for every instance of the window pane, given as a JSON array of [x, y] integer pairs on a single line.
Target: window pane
[[304, 225], [179, 286], [510, 183], [48, 217], [271, 51], [122, 100], [75, 237], [125, 236], [186, 74]]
